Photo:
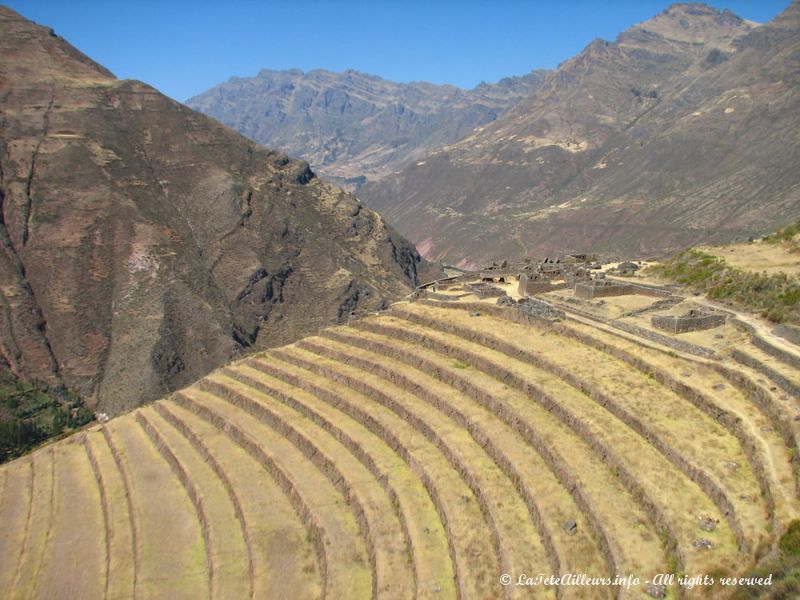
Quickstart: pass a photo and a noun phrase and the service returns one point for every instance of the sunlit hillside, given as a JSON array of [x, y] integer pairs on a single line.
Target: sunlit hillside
[[425, 452]]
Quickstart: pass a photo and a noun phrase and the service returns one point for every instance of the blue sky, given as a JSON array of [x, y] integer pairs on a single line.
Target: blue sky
[[183, 48]]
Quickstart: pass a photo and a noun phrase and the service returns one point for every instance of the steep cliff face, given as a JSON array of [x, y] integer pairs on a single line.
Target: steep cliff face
[[351, 126], [682, 131], [144, 244]]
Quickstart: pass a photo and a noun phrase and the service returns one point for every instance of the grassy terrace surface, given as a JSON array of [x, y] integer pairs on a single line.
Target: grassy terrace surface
[[419, 454], [775, 295], [631, 394]]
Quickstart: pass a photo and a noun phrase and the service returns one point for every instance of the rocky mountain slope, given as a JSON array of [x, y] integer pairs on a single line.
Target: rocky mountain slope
[[144, 244], [682, 131], [352, 126]]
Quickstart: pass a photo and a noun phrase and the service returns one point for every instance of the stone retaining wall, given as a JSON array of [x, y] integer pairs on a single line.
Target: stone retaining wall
[[687, 322]]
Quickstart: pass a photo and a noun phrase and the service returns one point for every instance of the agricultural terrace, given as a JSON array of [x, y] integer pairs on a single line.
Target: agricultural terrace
[[422, 453]]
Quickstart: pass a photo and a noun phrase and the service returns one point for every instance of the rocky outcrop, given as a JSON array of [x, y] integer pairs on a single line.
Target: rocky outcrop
[[143, 244]]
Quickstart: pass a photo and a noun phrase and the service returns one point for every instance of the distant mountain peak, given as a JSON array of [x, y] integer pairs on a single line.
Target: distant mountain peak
[[693, 23], [43, 46], [681, 131]]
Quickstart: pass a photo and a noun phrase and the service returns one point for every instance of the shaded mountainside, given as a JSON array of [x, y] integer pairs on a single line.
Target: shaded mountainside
[[682, 131], [144, 244], [352, 126]]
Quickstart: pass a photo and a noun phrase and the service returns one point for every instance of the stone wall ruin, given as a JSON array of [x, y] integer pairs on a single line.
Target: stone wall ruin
[[693, 320]]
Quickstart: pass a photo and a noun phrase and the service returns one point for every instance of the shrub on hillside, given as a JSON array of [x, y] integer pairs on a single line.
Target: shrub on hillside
[[776, 297], [786, 234], [32, 412], [790, 541]]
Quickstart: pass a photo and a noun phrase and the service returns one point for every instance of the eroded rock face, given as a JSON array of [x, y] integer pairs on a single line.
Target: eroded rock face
[[144, 244], [681, 131]]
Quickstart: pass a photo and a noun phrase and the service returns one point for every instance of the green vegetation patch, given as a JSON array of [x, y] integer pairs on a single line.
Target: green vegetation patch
[[790, 541], [787, 234], [32, 412], [784, 566], [775, 297]]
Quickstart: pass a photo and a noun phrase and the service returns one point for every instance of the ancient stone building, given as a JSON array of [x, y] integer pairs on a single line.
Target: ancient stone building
[[600, 288], [693, 320], [535, 283], [483, 290], [575, 276]]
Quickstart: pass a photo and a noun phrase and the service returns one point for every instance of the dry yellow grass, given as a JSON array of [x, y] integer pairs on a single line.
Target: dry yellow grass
[[698, 375], [475, 556], [419, 519], [758, 256], [420, 454], [517, 533], [347, 563], [229, 554], [38, 521], [14, 507], [73, 547], [384, 530], [693, 434], [683, 503], [284, 564], [577, 553], [119, 531], [170, 541]]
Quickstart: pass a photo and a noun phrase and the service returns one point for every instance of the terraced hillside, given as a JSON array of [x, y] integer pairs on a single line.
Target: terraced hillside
[[423, 452]]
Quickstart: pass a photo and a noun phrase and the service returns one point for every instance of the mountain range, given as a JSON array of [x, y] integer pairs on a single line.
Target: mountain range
[[682, 131], [354, 127], [144, 244]]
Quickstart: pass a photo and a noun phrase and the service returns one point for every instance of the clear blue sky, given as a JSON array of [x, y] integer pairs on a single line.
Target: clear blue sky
[[183, 48]]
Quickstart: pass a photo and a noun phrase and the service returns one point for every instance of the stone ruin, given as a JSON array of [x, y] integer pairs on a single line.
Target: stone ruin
[[540, 278], [483, 290], [576, 276], [694, 320], [447, 286], [532, 307], [626, 268], [600, 288], [549, 274], [536, 283]]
